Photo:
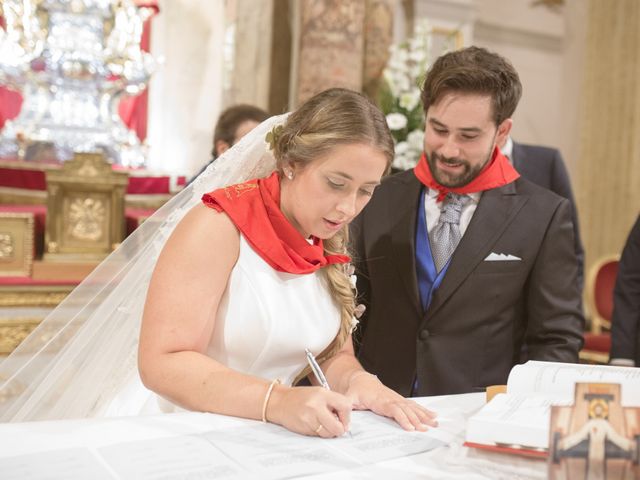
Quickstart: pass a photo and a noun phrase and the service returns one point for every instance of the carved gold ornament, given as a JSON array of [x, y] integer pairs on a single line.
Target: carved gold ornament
[[12, 335], [16, 243], [86, 219], [6, 247]]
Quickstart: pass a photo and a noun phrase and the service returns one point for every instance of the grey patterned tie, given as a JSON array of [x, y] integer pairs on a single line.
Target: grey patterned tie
[[445, 236]]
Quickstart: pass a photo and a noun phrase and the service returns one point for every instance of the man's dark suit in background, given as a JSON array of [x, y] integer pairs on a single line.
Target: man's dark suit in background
[[544, 166], [625, 327]]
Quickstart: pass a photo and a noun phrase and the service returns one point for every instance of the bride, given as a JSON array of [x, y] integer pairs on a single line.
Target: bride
[[242, 271]]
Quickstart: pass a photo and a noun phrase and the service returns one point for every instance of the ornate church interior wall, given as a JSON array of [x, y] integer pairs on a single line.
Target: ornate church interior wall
[[219, 53]]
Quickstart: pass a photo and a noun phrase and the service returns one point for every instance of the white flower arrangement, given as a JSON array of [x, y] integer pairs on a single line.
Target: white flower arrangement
[[399, 95]]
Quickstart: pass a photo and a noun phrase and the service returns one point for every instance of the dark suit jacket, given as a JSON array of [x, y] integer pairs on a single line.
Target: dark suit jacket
[[625, 327], [544, 166], [483, 312]]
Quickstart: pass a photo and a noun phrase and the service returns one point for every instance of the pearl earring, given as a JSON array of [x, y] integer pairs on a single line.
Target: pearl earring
[[289, 174]]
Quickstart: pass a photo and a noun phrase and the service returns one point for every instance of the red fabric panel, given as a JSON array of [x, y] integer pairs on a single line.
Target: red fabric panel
[[598, 343], [22, 178], [148, 185], [133, 110], [36, 180], [132, 216], [605, 281], [10, 104]]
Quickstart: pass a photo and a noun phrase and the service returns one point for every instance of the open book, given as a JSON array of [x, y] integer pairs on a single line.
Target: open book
[[519, 419]]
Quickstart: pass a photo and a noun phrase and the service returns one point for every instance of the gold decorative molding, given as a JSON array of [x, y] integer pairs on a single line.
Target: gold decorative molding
[[33, 295], [30, 299], [14, 331], [20, 196], [7, 249], [16, 244]]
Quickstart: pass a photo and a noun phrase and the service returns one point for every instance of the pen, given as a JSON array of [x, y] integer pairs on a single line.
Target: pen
[[317, 372], [315, 368]]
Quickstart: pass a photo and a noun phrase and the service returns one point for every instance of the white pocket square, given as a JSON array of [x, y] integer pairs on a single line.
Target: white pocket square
[[501, 257]]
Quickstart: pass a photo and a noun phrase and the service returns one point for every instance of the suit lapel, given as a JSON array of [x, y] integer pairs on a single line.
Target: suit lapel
[[496, 210], [403, 234]]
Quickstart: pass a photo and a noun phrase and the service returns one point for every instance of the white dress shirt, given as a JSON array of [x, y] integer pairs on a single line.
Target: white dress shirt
[[507, 150], [432, 210]]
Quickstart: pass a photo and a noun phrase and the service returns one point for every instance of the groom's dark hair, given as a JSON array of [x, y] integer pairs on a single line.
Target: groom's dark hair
[[478, 71]]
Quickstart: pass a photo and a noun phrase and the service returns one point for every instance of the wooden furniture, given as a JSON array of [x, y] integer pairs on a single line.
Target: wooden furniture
[[601, 280], [85, 209]]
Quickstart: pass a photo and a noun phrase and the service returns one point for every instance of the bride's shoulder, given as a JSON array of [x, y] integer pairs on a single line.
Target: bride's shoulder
[[205, 226]]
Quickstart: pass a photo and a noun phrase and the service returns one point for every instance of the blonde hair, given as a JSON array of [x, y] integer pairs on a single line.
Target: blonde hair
[[331, 118]]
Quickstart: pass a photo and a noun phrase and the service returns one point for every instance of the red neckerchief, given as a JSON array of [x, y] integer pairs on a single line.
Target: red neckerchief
[[254, 207], [496, 173]]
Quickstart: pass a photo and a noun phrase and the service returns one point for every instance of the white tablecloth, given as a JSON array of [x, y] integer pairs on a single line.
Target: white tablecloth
[[84, 444]]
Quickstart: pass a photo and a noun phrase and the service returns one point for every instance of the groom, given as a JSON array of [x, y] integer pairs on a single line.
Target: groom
[[464, 267]]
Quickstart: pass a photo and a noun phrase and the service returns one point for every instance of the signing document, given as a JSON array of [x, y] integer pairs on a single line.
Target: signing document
[[203, 445]]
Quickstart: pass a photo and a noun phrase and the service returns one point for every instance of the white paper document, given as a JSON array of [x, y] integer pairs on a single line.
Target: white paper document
[[70, 464], [173, 458], [237, 450], [375, 439], [270, 451]]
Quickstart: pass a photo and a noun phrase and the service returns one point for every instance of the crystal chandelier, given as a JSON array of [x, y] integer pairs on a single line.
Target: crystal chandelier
[[72, 61]]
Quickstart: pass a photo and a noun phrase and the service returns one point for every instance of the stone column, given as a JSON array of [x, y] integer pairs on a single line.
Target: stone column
[[378, 36], [329, 47]]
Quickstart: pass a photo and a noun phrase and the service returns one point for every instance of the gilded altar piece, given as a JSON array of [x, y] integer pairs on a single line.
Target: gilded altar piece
[[85, 209]]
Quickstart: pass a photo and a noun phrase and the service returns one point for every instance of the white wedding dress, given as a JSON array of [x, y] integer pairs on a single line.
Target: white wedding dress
[[267, 318], [265, 321], [81, 361]]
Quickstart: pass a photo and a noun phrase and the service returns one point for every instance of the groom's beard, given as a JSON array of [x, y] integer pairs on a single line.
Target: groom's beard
[[450, 179]]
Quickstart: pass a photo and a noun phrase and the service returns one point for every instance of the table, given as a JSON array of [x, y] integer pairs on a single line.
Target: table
[[200, 445]]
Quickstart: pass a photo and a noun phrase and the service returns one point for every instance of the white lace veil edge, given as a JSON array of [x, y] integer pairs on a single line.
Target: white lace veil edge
[[84, 353]]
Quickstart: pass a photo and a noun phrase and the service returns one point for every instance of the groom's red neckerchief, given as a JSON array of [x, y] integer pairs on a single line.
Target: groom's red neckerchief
[[254, 208], [496, 173]]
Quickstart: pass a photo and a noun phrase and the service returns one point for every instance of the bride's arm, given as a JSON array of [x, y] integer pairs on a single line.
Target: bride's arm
[[345, 375], [179, 317]]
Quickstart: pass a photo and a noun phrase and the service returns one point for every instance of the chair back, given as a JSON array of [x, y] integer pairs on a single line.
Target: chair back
[[599, 294]]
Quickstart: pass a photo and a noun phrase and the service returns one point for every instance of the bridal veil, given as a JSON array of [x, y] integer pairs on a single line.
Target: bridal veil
[[81, 361]]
